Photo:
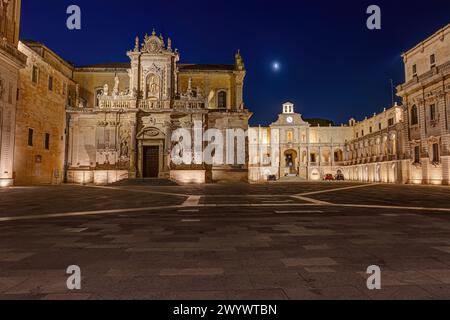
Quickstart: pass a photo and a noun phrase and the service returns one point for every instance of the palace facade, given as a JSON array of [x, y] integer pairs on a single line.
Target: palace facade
[[426, 99]]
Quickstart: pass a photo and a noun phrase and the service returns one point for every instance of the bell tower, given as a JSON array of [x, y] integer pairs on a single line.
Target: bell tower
[[152, 73], [288, 108]]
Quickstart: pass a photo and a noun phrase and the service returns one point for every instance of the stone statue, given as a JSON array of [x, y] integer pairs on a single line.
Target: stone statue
[[116, 85], [189, 89], [199, 92], [124, 150], [136, 45], [239, 62], [105, 89], [153, 87]]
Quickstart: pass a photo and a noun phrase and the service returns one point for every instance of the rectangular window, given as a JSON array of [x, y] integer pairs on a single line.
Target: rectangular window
[[47, 141], [30, 137], [436, 157], [414, 70], [416, 154], [222, 100], [370, 129], [17, 94], [362, 133], [313, 157], [379, 126], [50, 83], [391, 122], [433, 60], [432, 112], [35, 75]]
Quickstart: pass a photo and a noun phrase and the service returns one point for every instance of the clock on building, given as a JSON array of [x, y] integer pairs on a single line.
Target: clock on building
[[290, 119]]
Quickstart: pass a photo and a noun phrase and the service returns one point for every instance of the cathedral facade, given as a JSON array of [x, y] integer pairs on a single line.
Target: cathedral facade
[[122, 121]]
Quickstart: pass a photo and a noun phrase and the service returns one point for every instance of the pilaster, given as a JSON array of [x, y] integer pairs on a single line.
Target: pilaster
[[445, 160], [425, 170]]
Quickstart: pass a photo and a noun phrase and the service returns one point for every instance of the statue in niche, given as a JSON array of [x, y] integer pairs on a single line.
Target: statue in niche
[[124, 149], [152, 86]]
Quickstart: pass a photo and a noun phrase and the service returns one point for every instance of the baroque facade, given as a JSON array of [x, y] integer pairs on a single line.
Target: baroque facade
[[122, 122], [11, 61]]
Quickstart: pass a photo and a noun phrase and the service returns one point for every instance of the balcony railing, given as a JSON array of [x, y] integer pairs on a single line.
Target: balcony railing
[[189, 104], [108, 102]]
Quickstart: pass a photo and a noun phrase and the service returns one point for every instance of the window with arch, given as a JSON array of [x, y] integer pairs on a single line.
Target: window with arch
[[414, 115], [222, 100]]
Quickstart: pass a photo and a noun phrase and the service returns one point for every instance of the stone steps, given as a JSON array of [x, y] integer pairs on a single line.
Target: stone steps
[[145, 182]]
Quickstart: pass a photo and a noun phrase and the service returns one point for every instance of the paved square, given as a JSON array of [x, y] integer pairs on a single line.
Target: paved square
[[268, 241]]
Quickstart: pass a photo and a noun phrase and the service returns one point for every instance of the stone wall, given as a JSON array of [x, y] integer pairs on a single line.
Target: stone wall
[[41, 109]]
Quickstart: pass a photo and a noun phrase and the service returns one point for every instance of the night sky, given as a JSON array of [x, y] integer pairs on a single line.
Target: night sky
[[329, 64]]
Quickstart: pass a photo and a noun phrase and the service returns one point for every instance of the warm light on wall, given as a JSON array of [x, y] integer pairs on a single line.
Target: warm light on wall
[[6, 183]]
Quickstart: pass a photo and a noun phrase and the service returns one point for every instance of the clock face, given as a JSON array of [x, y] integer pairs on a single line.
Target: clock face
[[290, 119]]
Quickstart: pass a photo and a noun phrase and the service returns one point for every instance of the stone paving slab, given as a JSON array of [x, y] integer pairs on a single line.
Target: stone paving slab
[[392, 195], [224, 252]]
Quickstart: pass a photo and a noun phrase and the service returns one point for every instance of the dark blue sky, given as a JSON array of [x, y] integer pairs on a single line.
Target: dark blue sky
[[332, 66]]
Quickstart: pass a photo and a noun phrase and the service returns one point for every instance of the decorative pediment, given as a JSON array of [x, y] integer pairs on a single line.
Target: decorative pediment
[[154, 44], [150, 133]]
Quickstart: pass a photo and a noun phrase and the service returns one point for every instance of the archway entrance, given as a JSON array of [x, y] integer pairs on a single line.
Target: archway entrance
[[290, 157], [151, 157]]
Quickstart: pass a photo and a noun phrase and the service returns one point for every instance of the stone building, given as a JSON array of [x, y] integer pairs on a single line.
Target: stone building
[[124, 115], [403, 144], [11, 61], [426, 99], [44, 89], [108, 122], [292, 148], [376, 151]]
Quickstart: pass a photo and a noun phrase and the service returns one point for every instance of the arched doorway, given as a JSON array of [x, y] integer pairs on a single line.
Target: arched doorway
[[290, 157]]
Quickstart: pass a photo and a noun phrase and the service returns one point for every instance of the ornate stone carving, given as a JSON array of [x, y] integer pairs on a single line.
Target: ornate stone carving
[[148, 121]]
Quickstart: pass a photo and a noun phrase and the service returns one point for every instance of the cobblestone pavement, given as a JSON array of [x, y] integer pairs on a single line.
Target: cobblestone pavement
[[271, 241]]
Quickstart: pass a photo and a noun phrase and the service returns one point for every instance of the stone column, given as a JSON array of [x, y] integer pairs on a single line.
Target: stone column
[[425, 170], [133, 151], [7, 147]]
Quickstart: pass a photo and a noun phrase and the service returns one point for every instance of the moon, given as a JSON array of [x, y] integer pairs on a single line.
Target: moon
[[276, 66]]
